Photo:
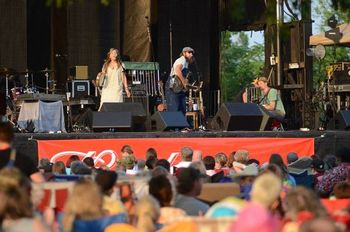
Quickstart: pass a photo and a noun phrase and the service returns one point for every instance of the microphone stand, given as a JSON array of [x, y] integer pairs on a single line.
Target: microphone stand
[[171, 44], [201, 115], [153, 55]]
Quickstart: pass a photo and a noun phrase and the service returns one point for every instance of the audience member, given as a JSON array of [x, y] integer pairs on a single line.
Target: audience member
[[209, 163], [11, 158], [126, 150], [245, 179], [59, 168], [189, 186], [164, 163], [292, 157], [16, 211], [186, 157], [83, 210], [147, 214], [231, 159], [89, 161], [253, 161], [288, 180], [107, 181], [161, 189], [69, 161], [335, 175], [79, 168], [301, 201], [151, 152], [45, 166], [241, 158], [318, 169], [220, 160], [257, 214], [128, 162], [151, 162], [319, 225]]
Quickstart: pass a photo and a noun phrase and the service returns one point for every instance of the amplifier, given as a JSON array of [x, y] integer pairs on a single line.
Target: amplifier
[[79, 72], [79, 89]]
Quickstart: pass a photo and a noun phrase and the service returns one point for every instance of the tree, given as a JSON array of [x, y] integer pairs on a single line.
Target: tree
[[324, 9], [240, 64]]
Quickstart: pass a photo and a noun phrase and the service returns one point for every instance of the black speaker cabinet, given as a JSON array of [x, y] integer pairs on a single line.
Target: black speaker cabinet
[[341, 121], [240, 117], [112, 121], [163, 121], [136, 108]]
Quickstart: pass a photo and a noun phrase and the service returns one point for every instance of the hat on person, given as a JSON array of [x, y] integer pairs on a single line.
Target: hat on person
[[45, 164], [318, 165], [250, 170], [264, 79], [188, 49], [79, 168], [292, 157], [300, 165]]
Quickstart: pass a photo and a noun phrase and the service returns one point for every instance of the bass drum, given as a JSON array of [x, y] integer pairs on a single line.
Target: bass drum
[[100, 79]]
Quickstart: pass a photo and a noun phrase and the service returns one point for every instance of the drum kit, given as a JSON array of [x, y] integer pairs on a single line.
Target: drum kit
[[16, 85]]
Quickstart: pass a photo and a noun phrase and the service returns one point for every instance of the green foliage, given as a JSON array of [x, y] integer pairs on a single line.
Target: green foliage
[[240, 64], [325, 9]]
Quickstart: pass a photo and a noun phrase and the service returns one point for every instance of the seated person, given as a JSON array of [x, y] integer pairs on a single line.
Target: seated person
[[271, 100]]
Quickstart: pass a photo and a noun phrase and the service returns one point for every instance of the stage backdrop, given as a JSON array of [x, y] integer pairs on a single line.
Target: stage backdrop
[[107, 151]]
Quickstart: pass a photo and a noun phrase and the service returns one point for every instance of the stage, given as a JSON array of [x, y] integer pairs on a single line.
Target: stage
[[323, 142]]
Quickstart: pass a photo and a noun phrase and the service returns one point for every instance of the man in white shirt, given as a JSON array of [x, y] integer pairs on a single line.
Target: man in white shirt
[[175, 93]]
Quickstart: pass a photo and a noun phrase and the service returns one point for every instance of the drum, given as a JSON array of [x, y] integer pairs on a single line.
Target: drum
[[16, 91], [100, 79]]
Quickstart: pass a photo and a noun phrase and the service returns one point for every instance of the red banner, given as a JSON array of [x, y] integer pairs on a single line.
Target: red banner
[[107, 151]]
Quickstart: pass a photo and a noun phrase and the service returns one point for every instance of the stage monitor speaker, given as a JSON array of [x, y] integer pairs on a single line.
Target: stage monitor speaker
[[112, 121], [136, 108], [341, 121], [240, 117], [163, 121]]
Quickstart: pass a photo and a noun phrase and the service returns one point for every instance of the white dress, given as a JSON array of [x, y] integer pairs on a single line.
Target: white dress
[[112, 90]]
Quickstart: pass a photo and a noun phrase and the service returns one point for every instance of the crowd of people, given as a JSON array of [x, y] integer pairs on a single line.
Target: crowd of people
[[149, 194]]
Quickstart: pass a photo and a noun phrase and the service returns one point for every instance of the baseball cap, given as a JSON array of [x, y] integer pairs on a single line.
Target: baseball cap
[[188, 49], [292, 157]]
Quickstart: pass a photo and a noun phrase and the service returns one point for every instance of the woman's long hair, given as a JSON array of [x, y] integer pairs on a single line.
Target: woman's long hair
[[108, 60], [85, 203]]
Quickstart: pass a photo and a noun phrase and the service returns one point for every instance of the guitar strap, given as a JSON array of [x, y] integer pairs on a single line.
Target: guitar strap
[[264, 97]]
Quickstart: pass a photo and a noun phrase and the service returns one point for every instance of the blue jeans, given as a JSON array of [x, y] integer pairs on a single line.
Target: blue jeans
[[175, 101]]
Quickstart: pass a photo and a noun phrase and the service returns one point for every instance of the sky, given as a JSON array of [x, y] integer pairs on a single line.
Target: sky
[[257, 37]]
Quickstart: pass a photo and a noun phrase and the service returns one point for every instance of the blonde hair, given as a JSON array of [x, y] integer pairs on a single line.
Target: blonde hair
[[147, 211], [266, 189], [84, 202], [108, 60]]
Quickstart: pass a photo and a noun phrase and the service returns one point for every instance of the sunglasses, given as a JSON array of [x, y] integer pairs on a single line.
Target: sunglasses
[[190, 52]]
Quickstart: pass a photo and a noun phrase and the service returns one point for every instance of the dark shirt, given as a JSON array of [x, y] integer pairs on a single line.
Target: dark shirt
[[23, 162]]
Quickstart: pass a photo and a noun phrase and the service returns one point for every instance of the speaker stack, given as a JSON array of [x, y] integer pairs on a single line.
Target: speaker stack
[[165, 121], [120, 117], [240, 117], [341, 121]]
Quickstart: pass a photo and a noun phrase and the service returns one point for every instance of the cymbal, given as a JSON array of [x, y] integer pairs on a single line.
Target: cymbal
[[7, 71], [45, 70]]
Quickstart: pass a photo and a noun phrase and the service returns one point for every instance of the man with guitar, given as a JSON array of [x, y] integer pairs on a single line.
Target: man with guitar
[[271, 100], [176, 85]]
